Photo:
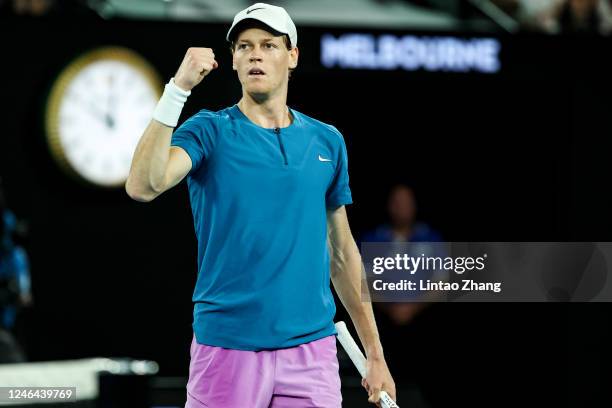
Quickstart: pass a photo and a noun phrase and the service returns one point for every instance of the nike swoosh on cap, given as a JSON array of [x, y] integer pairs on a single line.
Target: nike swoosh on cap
[[323, 159], [258, 8]]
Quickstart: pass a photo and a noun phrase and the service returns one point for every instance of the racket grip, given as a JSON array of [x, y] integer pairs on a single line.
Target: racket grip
[[386, 401]]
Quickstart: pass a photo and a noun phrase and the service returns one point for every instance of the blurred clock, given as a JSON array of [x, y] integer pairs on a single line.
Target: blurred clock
[[97, 109]]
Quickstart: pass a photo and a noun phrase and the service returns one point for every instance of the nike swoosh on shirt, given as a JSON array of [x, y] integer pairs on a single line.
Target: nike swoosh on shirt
[[258, 8], [323, 159]]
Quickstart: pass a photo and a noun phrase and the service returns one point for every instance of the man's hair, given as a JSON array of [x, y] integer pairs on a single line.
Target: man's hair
[[251, 23]]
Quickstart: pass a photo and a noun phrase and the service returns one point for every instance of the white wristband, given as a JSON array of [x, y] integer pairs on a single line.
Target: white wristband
[[170, 104]]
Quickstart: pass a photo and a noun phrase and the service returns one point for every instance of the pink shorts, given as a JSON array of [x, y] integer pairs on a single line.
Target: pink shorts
[[295, 377]]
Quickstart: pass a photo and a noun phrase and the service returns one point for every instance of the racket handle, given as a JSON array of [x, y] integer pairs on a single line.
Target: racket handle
[[386, 401]]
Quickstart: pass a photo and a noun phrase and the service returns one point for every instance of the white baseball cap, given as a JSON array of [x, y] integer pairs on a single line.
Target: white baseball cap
[[274, 17]]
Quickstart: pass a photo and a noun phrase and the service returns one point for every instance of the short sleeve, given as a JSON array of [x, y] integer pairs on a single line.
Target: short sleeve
[[197, 137], [338, 192]]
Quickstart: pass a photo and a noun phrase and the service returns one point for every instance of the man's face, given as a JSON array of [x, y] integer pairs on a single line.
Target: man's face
[[583, 6], [402, 206], [262, 61]]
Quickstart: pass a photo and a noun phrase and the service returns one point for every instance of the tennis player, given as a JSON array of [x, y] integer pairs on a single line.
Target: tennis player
[[267, 186]]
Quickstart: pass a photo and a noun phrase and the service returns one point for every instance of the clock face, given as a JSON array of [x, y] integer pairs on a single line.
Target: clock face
[[98, 112]]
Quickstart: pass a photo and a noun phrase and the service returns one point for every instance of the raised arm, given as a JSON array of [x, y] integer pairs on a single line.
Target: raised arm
[[346, 274], [157, 166]]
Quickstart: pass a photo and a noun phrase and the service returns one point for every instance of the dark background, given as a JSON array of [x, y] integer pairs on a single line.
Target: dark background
[[522, 155]]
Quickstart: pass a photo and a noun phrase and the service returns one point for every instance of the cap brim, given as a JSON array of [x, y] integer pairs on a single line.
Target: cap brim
[[239, 26]]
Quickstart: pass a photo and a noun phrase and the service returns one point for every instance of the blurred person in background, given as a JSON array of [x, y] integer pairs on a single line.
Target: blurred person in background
[[47, 9], [402, 226], [562, 16], [583, 16], [30, 8], [408, 321], [14, 284]]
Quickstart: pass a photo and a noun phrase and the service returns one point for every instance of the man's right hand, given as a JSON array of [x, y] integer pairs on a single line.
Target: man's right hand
[[198, 63]]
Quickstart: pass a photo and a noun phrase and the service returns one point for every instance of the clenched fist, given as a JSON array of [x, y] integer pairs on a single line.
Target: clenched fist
[[198, 63]]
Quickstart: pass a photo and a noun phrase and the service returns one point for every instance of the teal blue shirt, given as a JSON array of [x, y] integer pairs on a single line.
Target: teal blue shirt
[[259, 198]]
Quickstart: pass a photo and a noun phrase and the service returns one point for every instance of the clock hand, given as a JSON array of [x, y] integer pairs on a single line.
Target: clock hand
[[91, 107], [110, 121], [102, 116], [96, 112]]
